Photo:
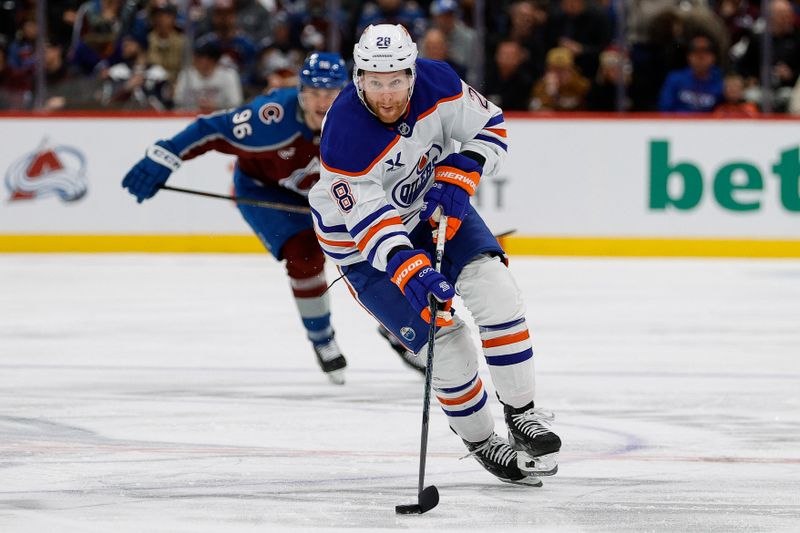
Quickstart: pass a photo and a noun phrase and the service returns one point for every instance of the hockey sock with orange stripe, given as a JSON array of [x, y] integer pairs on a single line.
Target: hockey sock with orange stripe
[[509, 356]]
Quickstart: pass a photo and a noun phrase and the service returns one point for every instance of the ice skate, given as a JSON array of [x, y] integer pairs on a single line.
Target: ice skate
[[500, 459], [529, 434], [331, 360], [408, 357]]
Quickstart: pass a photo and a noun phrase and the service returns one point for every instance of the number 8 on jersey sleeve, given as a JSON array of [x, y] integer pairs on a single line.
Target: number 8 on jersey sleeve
[[341, 192]]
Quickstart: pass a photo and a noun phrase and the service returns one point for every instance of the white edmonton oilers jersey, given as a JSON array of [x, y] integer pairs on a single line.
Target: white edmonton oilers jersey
[[374, 176]]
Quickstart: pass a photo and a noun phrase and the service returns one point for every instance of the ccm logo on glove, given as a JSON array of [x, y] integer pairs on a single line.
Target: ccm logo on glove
[[164, 157], [400, 277], [416, 278]]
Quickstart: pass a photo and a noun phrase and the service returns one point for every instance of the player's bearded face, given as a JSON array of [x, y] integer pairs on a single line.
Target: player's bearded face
[[316, 103], [386, 93]]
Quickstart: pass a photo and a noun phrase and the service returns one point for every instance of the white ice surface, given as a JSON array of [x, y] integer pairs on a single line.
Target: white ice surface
[[160, 393]]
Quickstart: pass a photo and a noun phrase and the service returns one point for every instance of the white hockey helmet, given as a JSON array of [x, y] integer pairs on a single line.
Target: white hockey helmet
[[384, 48]]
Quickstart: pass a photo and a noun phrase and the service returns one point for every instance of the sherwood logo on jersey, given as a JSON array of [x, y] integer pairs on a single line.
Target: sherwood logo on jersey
[[407, 190], [48, 170]]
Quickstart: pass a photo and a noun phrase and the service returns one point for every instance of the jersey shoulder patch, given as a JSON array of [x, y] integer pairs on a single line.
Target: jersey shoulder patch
[[274, 107], [436, 81], [353, 139]]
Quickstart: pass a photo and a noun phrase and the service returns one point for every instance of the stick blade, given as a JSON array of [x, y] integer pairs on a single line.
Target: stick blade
[[428, 499], [412, 508]]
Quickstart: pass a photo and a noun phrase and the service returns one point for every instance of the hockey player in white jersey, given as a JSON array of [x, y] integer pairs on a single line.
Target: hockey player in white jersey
[[388, 162]]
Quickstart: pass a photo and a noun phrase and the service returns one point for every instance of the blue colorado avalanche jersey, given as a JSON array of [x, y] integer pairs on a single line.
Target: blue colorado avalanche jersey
[[273, 144], [374, 176]]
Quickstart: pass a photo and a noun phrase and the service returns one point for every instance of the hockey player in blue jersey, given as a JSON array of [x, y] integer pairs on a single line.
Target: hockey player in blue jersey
[[276, 139], [388, 162]]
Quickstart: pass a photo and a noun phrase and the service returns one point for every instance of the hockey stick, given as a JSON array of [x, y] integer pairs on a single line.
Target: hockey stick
[[504, 233], [240, 200], [428, 497]]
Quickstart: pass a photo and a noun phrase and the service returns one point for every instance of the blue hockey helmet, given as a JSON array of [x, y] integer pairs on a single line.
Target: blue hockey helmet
[[323, 70]]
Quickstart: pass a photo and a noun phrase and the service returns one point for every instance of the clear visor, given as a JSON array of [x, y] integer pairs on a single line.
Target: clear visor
[[311, 96], [373, 83]]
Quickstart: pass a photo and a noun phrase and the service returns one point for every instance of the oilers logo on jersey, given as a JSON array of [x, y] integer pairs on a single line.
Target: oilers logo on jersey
[[407, 190]]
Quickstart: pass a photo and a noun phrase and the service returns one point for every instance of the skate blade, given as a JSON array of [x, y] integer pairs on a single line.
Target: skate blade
[[542, 465], [529, 481], [336, 376]]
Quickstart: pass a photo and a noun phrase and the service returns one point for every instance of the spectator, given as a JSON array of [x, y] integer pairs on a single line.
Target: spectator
[[697, 88], [785, 54], [66, 90], [98, 27], [794, 99], [739, 17], [468, 12], [61, 18], [238, 50], [253, 19], [139, 23], [4, 73], [8, 24], [310, 22], [582, 29], [614, 68], [509, 79], [280, 56], [208, 85], [527, 27], [734, 104], [19, 60], [434, 46], [132, 82], [652, 59], [460, 39], [656, 34], [279, 70], [407, 14], [22, 52], [641, 15], [562, 88], [15, 86], [165, 43]]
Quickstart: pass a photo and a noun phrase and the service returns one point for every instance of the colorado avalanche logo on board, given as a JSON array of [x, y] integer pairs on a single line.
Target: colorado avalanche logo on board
[[48, 170], [410, 188]]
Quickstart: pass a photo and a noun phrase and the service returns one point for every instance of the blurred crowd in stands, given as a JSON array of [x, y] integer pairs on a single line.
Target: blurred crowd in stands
[[699, 56]]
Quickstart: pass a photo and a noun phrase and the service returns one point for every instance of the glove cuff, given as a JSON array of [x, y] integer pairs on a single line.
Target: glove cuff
[[456, 176], [408, 268], [163, 157]]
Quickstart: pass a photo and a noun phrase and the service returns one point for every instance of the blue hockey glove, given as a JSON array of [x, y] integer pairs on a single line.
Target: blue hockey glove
[[456, 179], [146, 176], [411, 271]]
